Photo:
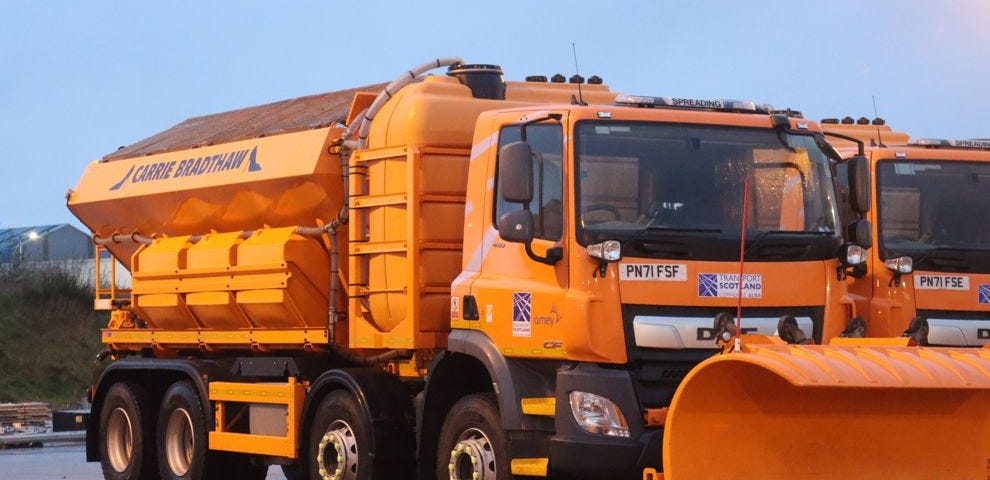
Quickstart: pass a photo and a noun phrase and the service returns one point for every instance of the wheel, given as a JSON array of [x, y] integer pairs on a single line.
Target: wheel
[[340, 442], [472, 443], [182, 441], [181, 433], [124, 436]]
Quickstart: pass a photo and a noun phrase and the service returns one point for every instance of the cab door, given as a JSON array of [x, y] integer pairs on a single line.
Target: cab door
[[519, 299]]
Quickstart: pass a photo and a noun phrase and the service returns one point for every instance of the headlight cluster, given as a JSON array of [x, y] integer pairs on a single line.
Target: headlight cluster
[[597, 414]]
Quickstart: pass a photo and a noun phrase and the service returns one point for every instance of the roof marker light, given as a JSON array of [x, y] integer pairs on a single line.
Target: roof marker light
[[790, 112], [929, 142]]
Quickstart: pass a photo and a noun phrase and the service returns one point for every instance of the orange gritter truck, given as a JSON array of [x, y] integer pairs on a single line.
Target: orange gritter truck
[[932, 225], [456, 276]]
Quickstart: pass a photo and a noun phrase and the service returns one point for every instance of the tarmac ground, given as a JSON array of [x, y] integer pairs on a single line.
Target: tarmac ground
[[61, 462]]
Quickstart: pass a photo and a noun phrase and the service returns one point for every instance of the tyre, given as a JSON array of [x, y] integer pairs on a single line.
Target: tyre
[[472, 443], [340, 442], [125, 439], [294, 472], [182, 441]]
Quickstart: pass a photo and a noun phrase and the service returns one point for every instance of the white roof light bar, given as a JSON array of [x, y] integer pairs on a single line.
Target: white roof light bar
[[695, 103], [978, 143]]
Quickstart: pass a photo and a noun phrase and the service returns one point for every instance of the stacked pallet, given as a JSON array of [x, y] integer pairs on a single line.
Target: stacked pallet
[[33, 417]]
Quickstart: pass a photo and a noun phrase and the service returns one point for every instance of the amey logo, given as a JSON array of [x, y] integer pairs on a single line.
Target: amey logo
[[190, 167], [551, 319]]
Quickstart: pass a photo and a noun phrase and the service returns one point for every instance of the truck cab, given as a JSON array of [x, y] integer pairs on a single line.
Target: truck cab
[[607, 239], [931, 222]]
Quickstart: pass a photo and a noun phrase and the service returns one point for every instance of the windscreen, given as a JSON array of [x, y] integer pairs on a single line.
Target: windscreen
[[935, 211], [672, 190]]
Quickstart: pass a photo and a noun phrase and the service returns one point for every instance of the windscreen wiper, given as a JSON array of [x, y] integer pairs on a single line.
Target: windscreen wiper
[[763, 235], [945, 256], [643, 240], [661, 228], [644, 234]]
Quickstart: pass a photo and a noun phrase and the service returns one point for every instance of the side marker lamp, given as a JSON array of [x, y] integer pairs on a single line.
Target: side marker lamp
[[607, 251], [855, 255], [901, 265]]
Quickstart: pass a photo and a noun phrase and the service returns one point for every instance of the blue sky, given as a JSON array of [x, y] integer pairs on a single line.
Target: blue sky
[[79, 79]]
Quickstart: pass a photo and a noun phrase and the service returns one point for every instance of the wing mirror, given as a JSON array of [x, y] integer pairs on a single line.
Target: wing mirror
[[515, 173], [859, 183], [516, 226], [860, 232]]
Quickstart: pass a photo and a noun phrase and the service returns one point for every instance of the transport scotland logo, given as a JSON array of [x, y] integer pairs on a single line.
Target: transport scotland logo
[[727, 285], [983, 293], [707, 285], [522, 309]]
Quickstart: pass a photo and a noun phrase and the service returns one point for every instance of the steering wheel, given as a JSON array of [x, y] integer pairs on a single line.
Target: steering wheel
[[595, 207], [650, 214]]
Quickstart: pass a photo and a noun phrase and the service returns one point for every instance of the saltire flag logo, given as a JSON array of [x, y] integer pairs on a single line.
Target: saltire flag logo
[[983, 293], [522, 307], [707, 284]]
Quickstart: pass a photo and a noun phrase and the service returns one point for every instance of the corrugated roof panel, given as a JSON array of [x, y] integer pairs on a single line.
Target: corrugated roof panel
[[10, 237], [313, 111]]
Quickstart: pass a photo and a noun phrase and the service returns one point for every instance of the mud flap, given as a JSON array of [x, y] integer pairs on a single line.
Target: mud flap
[[822, 412]]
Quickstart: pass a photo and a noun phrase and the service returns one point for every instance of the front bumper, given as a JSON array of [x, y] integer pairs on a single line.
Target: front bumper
[[578, 454]]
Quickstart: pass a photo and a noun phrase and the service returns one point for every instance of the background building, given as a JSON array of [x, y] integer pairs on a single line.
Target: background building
[[44, 243], [60, 246]]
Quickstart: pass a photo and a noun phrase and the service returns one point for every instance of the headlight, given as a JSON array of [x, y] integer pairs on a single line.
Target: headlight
[[608, 251], [900, 264], [598, 415]]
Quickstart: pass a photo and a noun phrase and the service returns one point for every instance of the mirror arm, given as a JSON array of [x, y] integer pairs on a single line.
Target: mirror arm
[[858, 142], [523, 125], [855, 271], [554, 254]]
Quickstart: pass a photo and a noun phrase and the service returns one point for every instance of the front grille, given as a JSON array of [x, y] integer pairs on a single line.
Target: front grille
[[630, 312], [954, 314], [658, 372]]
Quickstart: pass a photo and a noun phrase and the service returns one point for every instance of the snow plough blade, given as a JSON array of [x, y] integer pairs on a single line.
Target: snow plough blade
[[822, 412]]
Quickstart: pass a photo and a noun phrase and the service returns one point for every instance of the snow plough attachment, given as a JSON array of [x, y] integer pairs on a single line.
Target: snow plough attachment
[[773, 410]]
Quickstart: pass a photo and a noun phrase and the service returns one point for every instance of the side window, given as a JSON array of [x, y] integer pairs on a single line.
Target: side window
[[547, 207]]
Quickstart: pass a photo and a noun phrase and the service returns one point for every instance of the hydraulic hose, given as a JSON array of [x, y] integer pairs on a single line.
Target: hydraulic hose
[[390, 90]]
